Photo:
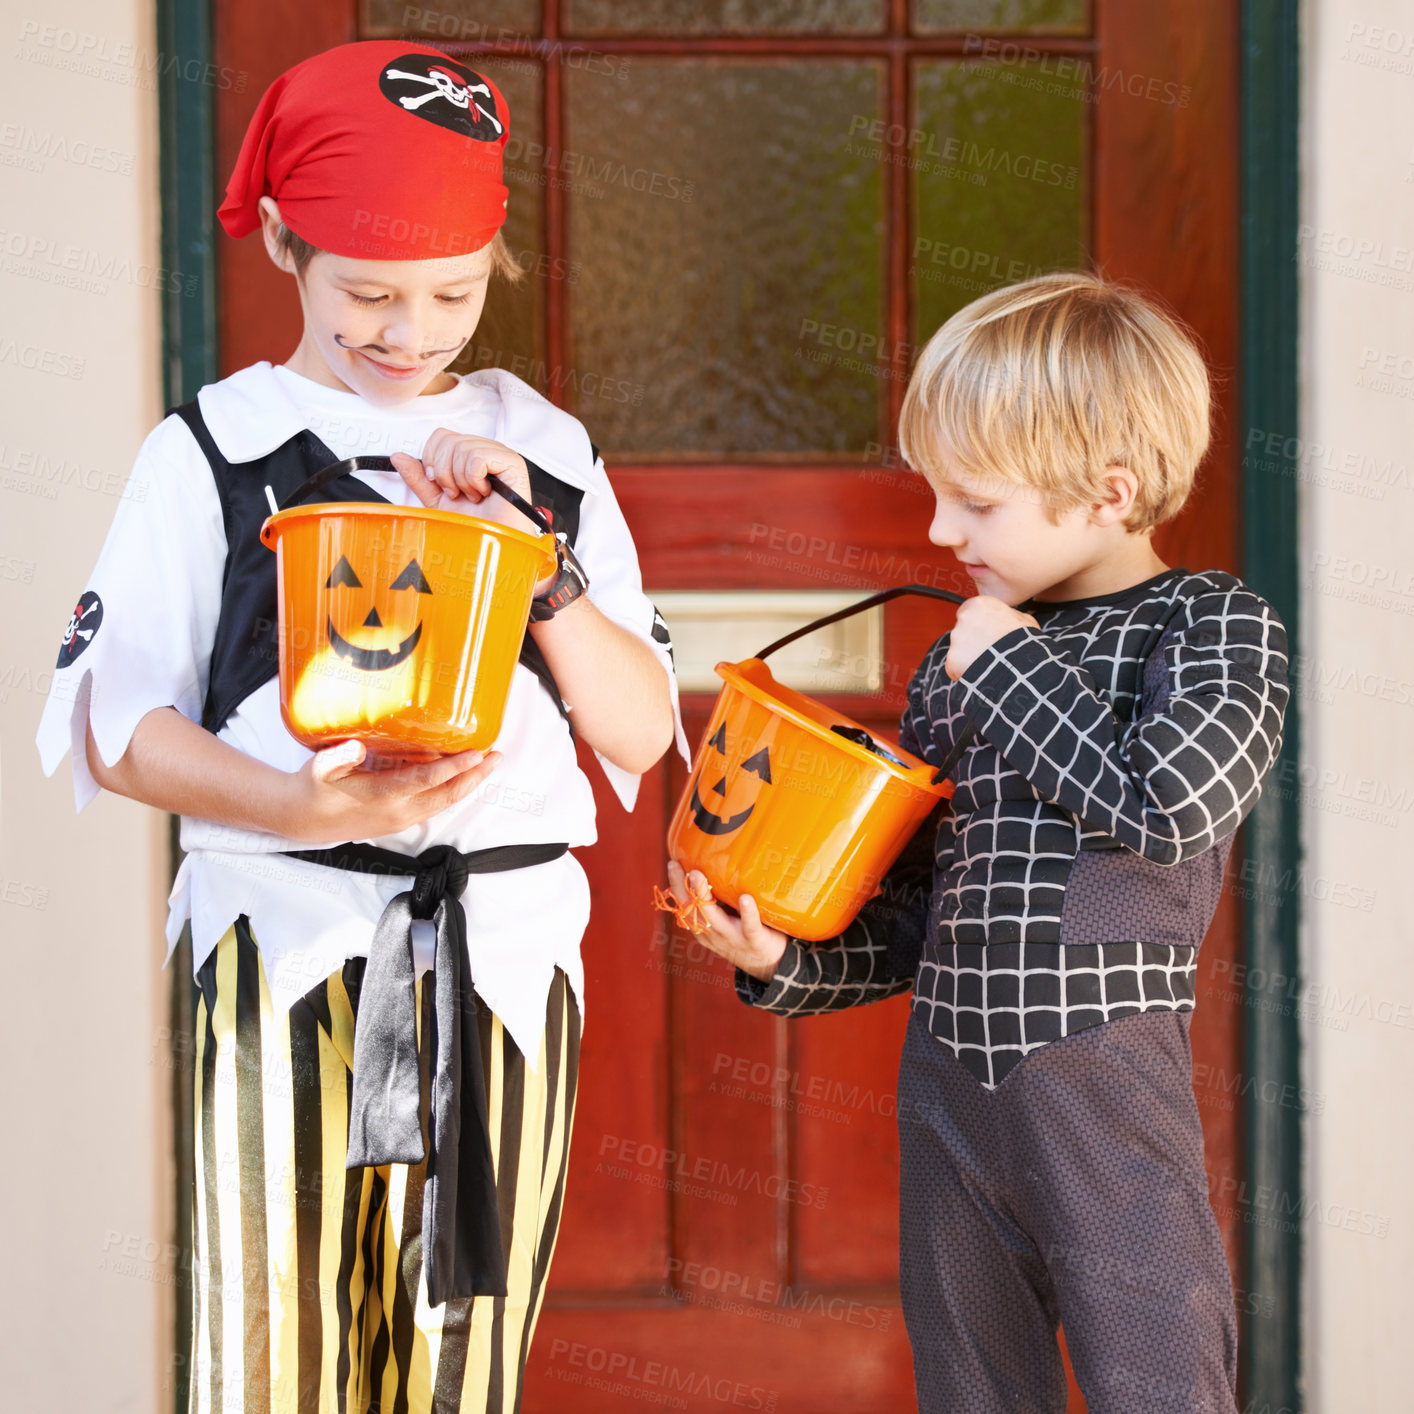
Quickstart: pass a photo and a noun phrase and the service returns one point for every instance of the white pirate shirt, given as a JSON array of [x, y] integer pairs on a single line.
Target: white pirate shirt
[[140, 638]]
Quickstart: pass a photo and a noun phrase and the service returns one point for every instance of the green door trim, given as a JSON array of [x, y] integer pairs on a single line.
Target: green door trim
[[1269, 333], [186, 102], [186, 124]]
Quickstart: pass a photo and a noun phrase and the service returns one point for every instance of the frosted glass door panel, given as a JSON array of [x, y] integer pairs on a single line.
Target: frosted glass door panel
[[728, 234]]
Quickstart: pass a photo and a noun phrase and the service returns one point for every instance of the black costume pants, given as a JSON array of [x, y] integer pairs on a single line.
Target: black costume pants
[[1075, 1194]]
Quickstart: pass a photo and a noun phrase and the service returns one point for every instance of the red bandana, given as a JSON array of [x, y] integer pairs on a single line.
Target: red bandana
[[381, 150]]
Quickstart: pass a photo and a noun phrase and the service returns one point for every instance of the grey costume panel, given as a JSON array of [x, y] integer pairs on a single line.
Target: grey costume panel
[[1075, 1194]]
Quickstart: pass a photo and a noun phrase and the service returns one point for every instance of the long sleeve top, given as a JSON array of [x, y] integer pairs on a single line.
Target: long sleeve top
[[1117, 747]]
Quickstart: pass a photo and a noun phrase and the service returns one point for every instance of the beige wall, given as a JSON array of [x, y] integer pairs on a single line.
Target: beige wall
[[89, 1302], [1357, 256], [86, 1183]]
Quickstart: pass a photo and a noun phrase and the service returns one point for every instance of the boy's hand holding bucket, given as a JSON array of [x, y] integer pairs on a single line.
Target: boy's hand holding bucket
[[455, 469], [344, 790], [744, 940]]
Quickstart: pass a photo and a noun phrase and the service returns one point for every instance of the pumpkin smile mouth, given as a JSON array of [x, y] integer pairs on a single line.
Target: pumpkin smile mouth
[[373, 660], [711, 824]]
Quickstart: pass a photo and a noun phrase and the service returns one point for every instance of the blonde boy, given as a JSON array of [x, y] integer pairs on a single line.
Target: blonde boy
[[1110, 722]]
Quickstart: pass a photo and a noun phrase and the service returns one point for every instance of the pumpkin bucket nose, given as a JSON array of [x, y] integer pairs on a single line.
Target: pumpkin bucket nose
[[795, 804], [400, 626]]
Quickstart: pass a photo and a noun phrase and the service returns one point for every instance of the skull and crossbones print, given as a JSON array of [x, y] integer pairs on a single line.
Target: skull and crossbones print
[[466, 93], [445, 86], [83, 624]]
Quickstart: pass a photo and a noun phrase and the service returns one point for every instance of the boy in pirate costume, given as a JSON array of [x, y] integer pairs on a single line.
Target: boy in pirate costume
[[1108, 722], [387, 1030]]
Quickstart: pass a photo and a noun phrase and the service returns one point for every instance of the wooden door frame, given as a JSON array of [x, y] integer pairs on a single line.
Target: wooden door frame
[[1268, 334]]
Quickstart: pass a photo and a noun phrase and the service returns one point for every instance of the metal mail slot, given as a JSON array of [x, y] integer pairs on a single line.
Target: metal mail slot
[[712, 626]]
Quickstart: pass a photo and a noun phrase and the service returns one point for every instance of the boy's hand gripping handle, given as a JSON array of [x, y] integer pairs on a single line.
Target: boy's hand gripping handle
[[349, 465]]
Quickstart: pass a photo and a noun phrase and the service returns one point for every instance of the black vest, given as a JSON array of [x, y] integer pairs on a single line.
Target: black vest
[[246, 651]]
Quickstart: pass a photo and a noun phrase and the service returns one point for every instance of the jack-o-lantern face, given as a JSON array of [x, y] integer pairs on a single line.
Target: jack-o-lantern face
[[368, 654], [758, 765]]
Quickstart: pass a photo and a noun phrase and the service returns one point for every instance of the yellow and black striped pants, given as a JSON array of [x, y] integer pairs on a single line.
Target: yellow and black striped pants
[[309, 1294]]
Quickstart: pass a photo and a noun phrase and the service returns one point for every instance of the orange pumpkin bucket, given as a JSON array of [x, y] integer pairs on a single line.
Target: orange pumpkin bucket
[[795, 804], [400, 626]]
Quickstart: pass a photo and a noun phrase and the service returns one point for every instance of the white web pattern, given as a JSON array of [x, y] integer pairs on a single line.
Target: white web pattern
[[993, 1005], [1143, 725]]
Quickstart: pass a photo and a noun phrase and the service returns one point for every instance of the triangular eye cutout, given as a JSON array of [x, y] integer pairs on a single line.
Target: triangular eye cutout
[[759, 765], [412, 577], [342, 573], [719, 739]]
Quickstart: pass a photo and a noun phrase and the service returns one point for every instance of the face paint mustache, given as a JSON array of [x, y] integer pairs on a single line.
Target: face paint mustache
[[380, 349]]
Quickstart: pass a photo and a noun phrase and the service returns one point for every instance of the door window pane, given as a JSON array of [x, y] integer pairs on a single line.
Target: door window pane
[[729, 236], [725, 16], [447, 21], [999, 182], [1068, 16], [511, 332]]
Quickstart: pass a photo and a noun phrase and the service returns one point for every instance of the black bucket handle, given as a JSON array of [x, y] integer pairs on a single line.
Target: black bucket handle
[[335, 470], [925, 591]]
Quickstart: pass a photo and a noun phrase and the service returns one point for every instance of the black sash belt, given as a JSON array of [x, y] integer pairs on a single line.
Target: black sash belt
[[461, 1227]]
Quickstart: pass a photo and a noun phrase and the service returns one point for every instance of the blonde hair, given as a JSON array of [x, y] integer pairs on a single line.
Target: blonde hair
[[1048, 382], [503, 263]]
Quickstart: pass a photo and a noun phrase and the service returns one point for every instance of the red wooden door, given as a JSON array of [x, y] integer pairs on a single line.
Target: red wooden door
[[737, 230]]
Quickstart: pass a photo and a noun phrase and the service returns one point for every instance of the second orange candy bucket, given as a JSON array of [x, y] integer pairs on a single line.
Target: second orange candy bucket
[[795, 804]]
